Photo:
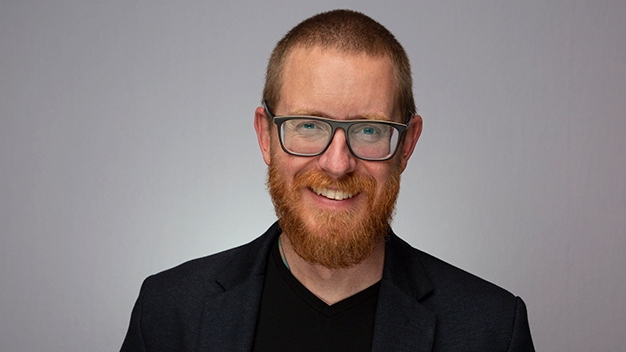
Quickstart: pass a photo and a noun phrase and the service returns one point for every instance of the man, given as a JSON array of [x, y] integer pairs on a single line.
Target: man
[[337, 128]]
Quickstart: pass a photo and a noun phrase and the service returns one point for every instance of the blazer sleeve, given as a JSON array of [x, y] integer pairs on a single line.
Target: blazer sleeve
[[133, 342], [521, 340]]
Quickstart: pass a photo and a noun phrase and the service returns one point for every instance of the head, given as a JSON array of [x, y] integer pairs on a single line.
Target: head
[[334, 207], [348, 32]]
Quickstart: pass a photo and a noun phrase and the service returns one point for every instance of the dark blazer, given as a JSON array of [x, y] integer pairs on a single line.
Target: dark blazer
[[424, 304]]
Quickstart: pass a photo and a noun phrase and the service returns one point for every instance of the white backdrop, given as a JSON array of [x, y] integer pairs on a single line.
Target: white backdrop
[[127, 147]]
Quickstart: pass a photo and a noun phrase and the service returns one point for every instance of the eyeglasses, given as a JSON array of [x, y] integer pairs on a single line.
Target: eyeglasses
[[310, 136]]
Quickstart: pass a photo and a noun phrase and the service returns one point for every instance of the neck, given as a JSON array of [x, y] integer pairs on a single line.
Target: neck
[[334, 285]]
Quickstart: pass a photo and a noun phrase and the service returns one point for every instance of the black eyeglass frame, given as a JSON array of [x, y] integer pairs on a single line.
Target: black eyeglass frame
[[335, 124]]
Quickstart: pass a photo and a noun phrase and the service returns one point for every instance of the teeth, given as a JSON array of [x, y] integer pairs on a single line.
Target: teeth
[[332, 194]]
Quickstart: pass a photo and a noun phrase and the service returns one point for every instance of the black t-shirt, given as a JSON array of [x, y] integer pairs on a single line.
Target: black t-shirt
[[291, 318]]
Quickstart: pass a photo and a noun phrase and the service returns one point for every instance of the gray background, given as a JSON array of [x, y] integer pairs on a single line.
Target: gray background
[[127, 146]]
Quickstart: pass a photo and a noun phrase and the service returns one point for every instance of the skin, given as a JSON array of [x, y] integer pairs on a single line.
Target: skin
[[331, 84]]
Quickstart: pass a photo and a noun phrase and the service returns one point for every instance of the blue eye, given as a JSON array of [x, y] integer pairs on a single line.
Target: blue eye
[[368, 130], [308, 128]]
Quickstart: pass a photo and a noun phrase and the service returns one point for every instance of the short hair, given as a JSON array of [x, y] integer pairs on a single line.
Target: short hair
[[349, 32]]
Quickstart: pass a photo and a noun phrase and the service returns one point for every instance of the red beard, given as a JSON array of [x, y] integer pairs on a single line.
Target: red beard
[[338, 239]]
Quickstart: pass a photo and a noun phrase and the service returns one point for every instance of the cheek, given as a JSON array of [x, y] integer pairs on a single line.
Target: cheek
[[381, 171], [383, 174], [288, 166]]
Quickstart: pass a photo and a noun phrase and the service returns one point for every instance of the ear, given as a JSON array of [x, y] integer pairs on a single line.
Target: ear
[[412, 135], [263, 133]]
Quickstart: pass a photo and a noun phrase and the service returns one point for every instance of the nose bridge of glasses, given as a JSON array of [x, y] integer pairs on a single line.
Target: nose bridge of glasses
[[345, 127], [333, 134]]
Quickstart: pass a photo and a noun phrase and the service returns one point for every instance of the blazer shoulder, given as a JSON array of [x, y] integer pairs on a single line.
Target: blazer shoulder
[[196, 269], [416, 271], [451, 280], [471, 310], [216, 271]]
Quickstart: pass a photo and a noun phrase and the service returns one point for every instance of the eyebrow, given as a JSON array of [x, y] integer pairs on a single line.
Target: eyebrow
[[314, 113]]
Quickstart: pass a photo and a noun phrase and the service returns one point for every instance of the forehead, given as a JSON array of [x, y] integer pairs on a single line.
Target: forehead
[[338, 85]]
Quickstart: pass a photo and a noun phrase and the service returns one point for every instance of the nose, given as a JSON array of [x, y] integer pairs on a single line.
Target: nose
[[337, 159]]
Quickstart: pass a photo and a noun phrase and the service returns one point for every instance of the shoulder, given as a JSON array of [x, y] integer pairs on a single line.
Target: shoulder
[[468, 308], [468, 304], [201, 277], [450, 281], [193, 275], [434, 279], [471, 309]]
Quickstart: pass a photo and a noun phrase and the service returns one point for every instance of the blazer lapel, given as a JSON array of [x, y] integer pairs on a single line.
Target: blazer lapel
[[230, 312], [402, 323], [230, 318]]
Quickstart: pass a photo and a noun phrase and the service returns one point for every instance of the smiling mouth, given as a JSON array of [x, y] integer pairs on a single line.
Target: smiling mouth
[[332, 194]]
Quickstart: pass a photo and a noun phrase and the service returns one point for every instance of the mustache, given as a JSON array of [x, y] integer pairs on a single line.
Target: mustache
[[352, 183]]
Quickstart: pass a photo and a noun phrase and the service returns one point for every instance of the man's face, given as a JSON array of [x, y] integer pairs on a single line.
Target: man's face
[[334, 207]]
